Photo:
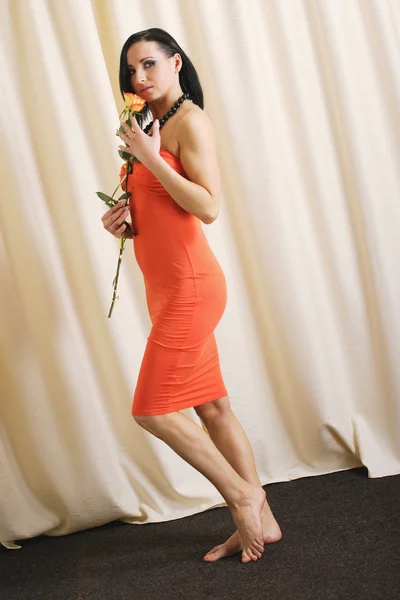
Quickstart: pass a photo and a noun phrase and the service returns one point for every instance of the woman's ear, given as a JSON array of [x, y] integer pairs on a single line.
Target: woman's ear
[[178, 63]]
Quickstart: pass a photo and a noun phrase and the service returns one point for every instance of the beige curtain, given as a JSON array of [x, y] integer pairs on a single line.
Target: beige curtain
[[304, 95]]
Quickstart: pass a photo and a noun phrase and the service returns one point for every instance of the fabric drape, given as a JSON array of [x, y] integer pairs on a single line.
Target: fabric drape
[[304, 96]]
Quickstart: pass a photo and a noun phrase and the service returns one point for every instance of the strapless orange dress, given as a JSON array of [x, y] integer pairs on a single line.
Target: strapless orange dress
[[186, 297]]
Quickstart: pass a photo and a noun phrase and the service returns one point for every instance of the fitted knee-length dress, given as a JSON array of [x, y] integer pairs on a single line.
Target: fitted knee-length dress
[[186, 297]]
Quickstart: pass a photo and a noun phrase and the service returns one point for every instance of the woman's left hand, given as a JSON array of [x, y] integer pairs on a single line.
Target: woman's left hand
[[145, 148]]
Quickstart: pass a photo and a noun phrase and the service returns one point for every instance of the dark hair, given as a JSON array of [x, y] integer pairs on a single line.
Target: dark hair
[[188, 78]]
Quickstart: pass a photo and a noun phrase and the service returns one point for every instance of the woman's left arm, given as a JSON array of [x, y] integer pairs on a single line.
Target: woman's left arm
[[200, 194]]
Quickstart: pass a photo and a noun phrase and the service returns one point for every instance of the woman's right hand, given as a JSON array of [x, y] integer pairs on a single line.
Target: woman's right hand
[[113, 219]]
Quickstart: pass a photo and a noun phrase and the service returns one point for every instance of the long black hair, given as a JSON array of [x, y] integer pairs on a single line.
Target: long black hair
[[188, 78]]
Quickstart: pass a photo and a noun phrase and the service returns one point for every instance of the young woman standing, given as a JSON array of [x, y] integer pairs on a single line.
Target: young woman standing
[[174, 187]]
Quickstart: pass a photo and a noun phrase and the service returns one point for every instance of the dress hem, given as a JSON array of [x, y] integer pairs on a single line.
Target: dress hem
[[172, 410]]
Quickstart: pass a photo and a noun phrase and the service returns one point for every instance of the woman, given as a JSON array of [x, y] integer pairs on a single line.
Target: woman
[[174, 186]]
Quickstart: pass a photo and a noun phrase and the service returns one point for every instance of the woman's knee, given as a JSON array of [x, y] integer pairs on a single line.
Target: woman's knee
[[152, 423], [214, 410], [139, 420]]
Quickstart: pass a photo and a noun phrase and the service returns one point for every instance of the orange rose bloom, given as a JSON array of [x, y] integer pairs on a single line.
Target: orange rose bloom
[[134, 103]]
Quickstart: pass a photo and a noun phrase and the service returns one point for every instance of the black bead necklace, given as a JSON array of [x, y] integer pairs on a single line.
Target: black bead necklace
[[170, 113]]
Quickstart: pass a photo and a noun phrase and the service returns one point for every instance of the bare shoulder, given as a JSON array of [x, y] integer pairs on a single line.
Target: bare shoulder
[[195, 127]]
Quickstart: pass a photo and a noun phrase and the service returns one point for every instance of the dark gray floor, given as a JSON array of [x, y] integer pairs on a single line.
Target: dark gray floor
[[341, 540]]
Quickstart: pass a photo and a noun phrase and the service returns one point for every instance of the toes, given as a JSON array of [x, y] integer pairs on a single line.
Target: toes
[[258, 546], [214, 554], [252, 555], [248, 556]]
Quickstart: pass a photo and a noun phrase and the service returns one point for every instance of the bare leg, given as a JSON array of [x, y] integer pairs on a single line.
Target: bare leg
[[244, 499], [229, 437]]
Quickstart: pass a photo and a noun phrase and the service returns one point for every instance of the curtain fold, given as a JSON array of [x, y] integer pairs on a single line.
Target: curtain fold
[[304, 96]]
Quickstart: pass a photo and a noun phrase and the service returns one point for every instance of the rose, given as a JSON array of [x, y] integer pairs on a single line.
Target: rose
[[134, 104]]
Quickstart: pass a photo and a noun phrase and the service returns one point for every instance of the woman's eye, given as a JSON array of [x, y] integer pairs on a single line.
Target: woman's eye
[[146, 64]]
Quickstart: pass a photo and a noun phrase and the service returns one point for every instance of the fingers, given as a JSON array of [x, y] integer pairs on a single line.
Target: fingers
[[118, 232], [131, 131], [114, 211], [135, 126], [113, 219], [126, 128], [124, 137]]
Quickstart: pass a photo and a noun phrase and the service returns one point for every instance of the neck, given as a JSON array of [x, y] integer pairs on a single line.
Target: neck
[[162, 105]]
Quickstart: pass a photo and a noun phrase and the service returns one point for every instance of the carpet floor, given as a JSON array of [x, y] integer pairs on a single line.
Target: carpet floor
[[341, 540]]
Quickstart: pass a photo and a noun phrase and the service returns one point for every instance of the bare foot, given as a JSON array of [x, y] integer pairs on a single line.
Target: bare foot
[[271, 533], [247, 517]]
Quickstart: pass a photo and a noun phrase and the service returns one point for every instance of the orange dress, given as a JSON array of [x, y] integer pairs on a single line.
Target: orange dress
[[186, 298]]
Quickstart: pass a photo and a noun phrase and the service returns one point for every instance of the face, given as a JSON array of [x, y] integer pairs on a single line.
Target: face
[[150, 68]]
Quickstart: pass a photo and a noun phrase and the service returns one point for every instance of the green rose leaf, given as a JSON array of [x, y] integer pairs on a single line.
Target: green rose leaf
[[124, 155], [105, 198], [124, 196]]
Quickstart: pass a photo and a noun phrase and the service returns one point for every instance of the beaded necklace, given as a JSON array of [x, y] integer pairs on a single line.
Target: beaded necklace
[[170, 113]]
